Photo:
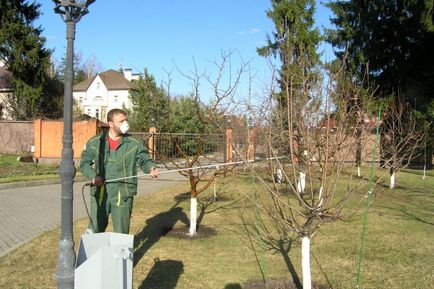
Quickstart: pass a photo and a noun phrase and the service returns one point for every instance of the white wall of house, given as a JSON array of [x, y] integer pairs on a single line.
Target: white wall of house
[[98, 100], [4, 104], [119, 99], [5, 94], [80, 97]]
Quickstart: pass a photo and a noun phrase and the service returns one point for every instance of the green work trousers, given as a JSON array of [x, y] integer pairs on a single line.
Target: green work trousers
[[109, 201]]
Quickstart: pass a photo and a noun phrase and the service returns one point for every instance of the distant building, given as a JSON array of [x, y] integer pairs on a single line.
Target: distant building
[[6, 90], [105, 91]]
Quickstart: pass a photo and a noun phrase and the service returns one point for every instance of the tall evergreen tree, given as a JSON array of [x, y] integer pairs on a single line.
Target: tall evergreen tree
[[295, 42], [185, 116], [83, 69], [150, 104], [391, 43], [395, 39], [22, 49]]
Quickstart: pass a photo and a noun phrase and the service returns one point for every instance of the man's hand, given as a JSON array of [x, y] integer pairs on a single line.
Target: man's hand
[[98, 181], [154, 172]]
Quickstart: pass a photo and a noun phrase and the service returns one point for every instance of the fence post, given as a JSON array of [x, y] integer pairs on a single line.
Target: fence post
[[153, 142], [37, 131], [228, 151]]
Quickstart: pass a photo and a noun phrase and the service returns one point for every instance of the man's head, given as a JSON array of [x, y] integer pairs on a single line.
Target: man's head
[[117, 121]]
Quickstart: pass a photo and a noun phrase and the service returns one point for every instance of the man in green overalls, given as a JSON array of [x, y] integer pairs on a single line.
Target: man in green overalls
[[114, 155]]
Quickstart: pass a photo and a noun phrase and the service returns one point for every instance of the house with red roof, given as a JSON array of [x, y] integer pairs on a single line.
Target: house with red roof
[[110, 89], [6, 90]]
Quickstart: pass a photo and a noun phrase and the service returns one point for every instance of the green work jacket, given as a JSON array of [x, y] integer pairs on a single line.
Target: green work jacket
[[98, 160]]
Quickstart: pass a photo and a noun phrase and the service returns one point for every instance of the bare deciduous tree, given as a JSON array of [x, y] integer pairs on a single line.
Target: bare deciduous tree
[[318, 132], [401, 136], [210, 112]]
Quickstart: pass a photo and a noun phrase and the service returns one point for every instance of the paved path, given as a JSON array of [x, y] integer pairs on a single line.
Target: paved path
[[27, 212]]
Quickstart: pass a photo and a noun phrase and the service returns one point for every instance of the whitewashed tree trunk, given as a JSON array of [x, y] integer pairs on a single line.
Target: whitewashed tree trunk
[[320, 198], [193, 216], [301, 184], [279, 176], [358, 172], [305, 262], [424, 172], [392, 180]]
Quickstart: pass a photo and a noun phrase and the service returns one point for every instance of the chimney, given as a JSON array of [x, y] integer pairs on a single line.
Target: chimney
[[128, 74]]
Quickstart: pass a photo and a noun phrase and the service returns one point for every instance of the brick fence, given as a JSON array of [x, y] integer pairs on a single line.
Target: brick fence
[[16, 137], [48, 137]]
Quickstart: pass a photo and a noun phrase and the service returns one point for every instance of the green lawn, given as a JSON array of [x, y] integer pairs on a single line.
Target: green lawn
[[399, 249], [11, 170]]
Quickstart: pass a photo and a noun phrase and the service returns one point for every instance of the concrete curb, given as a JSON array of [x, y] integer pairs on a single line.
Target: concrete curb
[[25, 184]]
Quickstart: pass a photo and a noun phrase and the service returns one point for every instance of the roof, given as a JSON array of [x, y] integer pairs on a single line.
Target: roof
[[84, 85], [112, 79]]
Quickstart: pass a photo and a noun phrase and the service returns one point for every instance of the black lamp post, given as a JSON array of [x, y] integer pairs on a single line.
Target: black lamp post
[[71, 12]]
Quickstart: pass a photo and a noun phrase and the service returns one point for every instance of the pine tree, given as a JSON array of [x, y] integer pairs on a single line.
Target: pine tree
[[295, 42], [390, 43], [150, 104], [22, 49]]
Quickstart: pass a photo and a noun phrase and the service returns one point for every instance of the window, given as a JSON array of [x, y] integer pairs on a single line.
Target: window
[[98, 98], [115, 98], [98, 85], [80, 100], [103, 113], [97, 113], [89, 111]]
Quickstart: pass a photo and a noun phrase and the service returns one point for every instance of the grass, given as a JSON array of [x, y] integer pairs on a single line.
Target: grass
[[11, 170], [399, 249]]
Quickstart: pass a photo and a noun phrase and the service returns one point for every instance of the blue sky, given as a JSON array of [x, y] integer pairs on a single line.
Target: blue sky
[[159, 35]]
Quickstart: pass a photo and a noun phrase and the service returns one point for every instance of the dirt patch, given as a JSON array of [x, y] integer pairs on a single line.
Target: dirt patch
[[277, 284], [181, 232]]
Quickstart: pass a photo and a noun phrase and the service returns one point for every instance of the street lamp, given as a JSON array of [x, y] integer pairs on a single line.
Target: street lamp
[[71, 12]]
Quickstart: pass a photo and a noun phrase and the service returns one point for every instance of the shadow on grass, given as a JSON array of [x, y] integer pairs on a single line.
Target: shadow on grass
[[233, 286], [182, 197], [205, 206], [284, 248], [406, 215], [416, 218], [163, 275], [384, 183], [155, 228]]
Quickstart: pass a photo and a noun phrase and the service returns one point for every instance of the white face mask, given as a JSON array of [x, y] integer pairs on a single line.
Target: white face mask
[[124, 127]]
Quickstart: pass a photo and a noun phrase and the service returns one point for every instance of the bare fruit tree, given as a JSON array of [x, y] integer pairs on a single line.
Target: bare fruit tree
[[317, 132], [199, 159], [401, 137]]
